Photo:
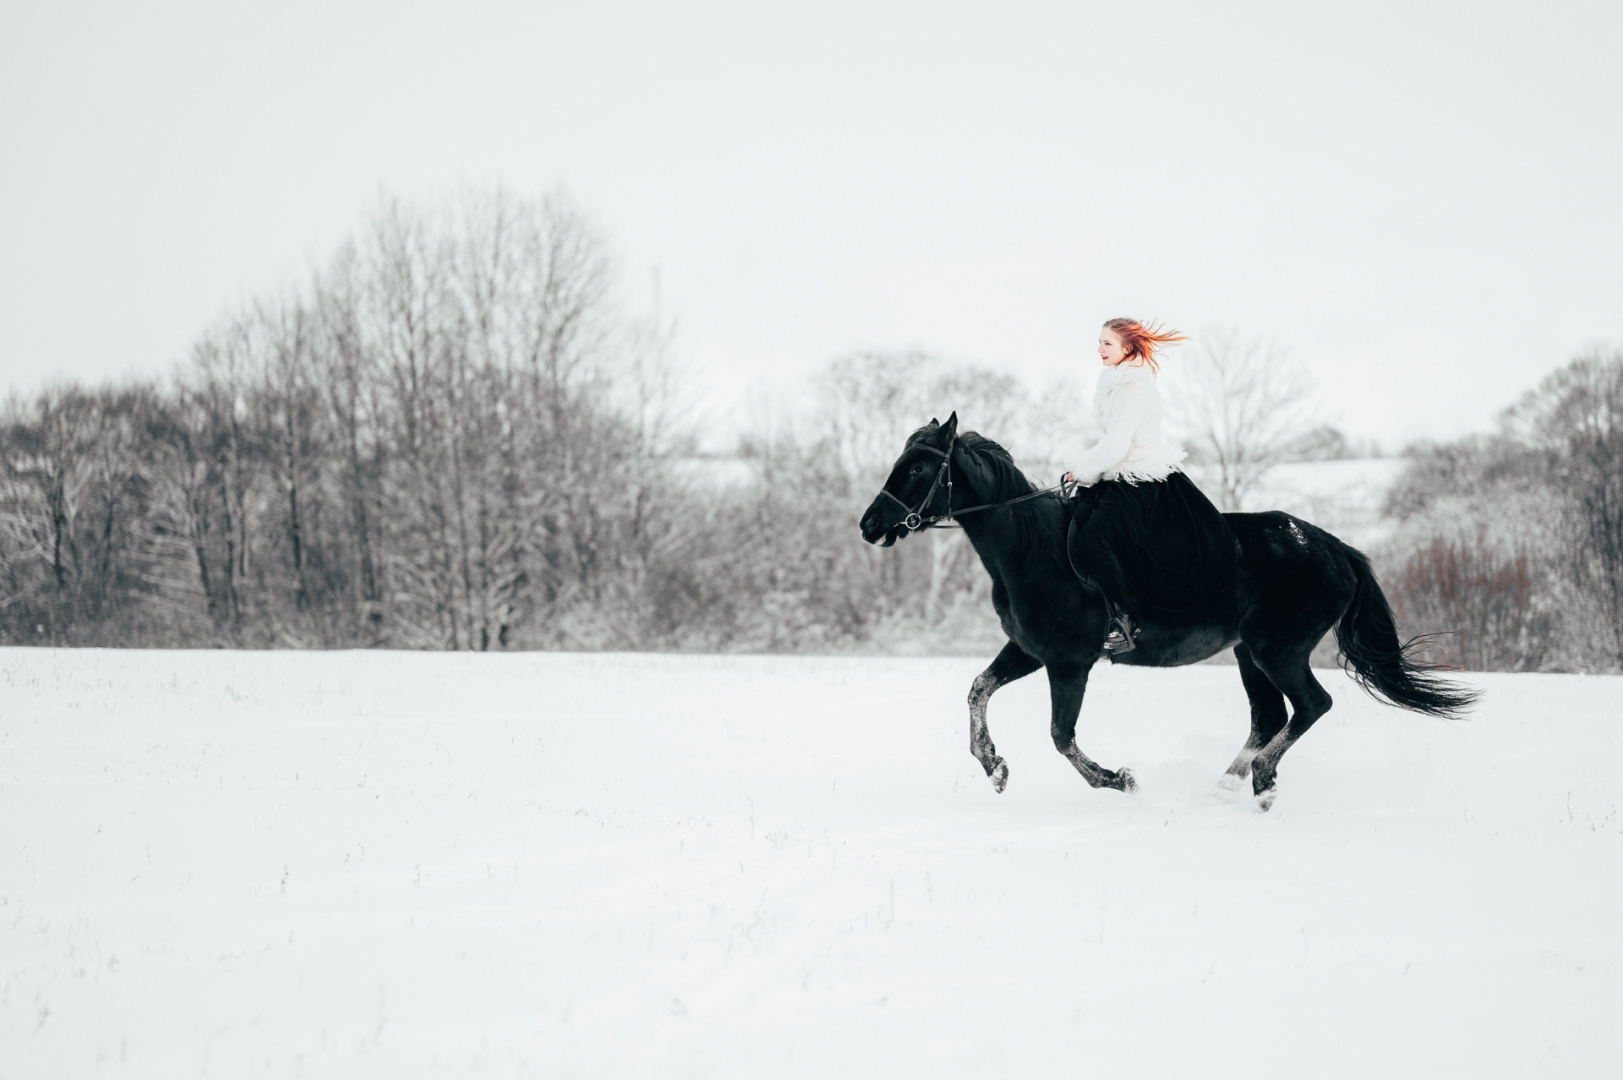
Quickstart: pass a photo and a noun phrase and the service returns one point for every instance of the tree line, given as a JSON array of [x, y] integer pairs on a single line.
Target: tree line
[[1510, 544], [421, 448], [454, 436], [458, 435]]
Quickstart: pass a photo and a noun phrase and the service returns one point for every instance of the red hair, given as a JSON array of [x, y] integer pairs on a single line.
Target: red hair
[[1142, 341]]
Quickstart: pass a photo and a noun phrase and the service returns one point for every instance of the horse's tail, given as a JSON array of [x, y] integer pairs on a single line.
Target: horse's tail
[[1384, 666]]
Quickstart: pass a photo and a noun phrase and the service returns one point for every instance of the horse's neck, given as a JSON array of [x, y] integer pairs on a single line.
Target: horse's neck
[[1005, 481], [991, 533]]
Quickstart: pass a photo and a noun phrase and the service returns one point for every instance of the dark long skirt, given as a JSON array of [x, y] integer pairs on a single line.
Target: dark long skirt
[[1159, 548]]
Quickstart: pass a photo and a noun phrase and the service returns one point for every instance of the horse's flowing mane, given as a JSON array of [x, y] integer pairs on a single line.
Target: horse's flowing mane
[[1000, 477], [987, 464]]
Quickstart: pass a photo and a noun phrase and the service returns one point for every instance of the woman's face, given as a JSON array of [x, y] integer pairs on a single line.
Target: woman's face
[[1110, 348]]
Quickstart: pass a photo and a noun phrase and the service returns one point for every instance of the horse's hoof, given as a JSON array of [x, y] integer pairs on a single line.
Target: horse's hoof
[[1000, 776], [1229, 782], [1265, 800], [1125, 778]]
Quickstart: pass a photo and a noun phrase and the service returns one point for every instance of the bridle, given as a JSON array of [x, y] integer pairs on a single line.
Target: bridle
[[916, 518]]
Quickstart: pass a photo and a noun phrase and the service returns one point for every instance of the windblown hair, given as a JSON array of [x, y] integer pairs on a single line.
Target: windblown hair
[[1142, 341]]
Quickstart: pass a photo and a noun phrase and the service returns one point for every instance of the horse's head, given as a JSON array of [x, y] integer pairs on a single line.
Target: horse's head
[[913, 482]]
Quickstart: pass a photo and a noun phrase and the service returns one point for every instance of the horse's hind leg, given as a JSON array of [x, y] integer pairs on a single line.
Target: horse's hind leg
[[1066, 686], [1309, 701], [1267, 714], [1011, 664]]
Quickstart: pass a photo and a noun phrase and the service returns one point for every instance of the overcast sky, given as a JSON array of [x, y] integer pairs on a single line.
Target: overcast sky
[[1421, 201]]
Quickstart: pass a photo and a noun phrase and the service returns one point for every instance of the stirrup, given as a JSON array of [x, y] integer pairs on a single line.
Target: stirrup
[[1122, 632]]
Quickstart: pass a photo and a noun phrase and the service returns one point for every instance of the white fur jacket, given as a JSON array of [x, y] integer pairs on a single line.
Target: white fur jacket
[[1133, 449]]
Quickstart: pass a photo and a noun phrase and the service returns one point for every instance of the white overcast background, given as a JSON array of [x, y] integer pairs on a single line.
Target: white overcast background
[[1421, 201]]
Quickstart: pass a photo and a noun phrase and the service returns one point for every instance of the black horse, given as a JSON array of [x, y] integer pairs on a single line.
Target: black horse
[[1292, 583]]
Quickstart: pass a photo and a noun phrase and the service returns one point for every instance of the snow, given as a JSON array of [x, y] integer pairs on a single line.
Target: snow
[[370, 864]]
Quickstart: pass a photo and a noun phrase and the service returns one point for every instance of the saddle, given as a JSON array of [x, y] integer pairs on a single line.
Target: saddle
[[1160, 549]]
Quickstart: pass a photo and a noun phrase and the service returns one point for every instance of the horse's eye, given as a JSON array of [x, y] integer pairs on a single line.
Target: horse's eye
[[918, 467]]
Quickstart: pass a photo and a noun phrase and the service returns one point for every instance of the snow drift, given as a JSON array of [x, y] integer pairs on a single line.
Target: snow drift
[[398, 865]]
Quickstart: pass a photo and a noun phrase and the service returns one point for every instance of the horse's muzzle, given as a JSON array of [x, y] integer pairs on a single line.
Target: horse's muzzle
[[876, 529]]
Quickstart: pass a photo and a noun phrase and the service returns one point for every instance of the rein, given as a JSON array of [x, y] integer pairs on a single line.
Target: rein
[[916, 518]]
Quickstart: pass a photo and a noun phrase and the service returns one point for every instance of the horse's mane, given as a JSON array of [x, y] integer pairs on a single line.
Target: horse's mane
[[1000, 477], [988, 464], [997, 478]]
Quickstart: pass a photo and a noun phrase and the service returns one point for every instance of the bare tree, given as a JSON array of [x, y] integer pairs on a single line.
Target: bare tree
[[350, 381], [1243, 407], [216, 385], [1576, 417], [1483, 606], [185, 485], [483, 326], [289, 425], [51, 469], [871, 401]]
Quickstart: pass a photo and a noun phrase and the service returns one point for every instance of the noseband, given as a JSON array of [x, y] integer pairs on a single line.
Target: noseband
[[916, 519]]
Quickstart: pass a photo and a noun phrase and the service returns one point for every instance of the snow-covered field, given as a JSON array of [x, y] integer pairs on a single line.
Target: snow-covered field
[[397, 865]]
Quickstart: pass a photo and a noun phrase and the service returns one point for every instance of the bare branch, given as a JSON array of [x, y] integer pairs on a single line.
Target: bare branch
[[1243, 407]]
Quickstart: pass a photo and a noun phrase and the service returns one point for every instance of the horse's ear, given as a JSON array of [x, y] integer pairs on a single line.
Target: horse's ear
[[951, 426], [934, 422]]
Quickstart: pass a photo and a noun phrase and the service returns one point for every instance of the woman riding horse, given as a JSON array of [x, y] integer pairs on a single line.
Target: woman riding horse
[[1139, 537], [1146, 538]]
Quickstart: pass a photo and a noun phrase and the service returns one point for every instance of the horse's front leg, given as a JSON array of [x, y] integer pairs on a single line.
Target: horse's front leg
[[1011, 664], [1066, 685]]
